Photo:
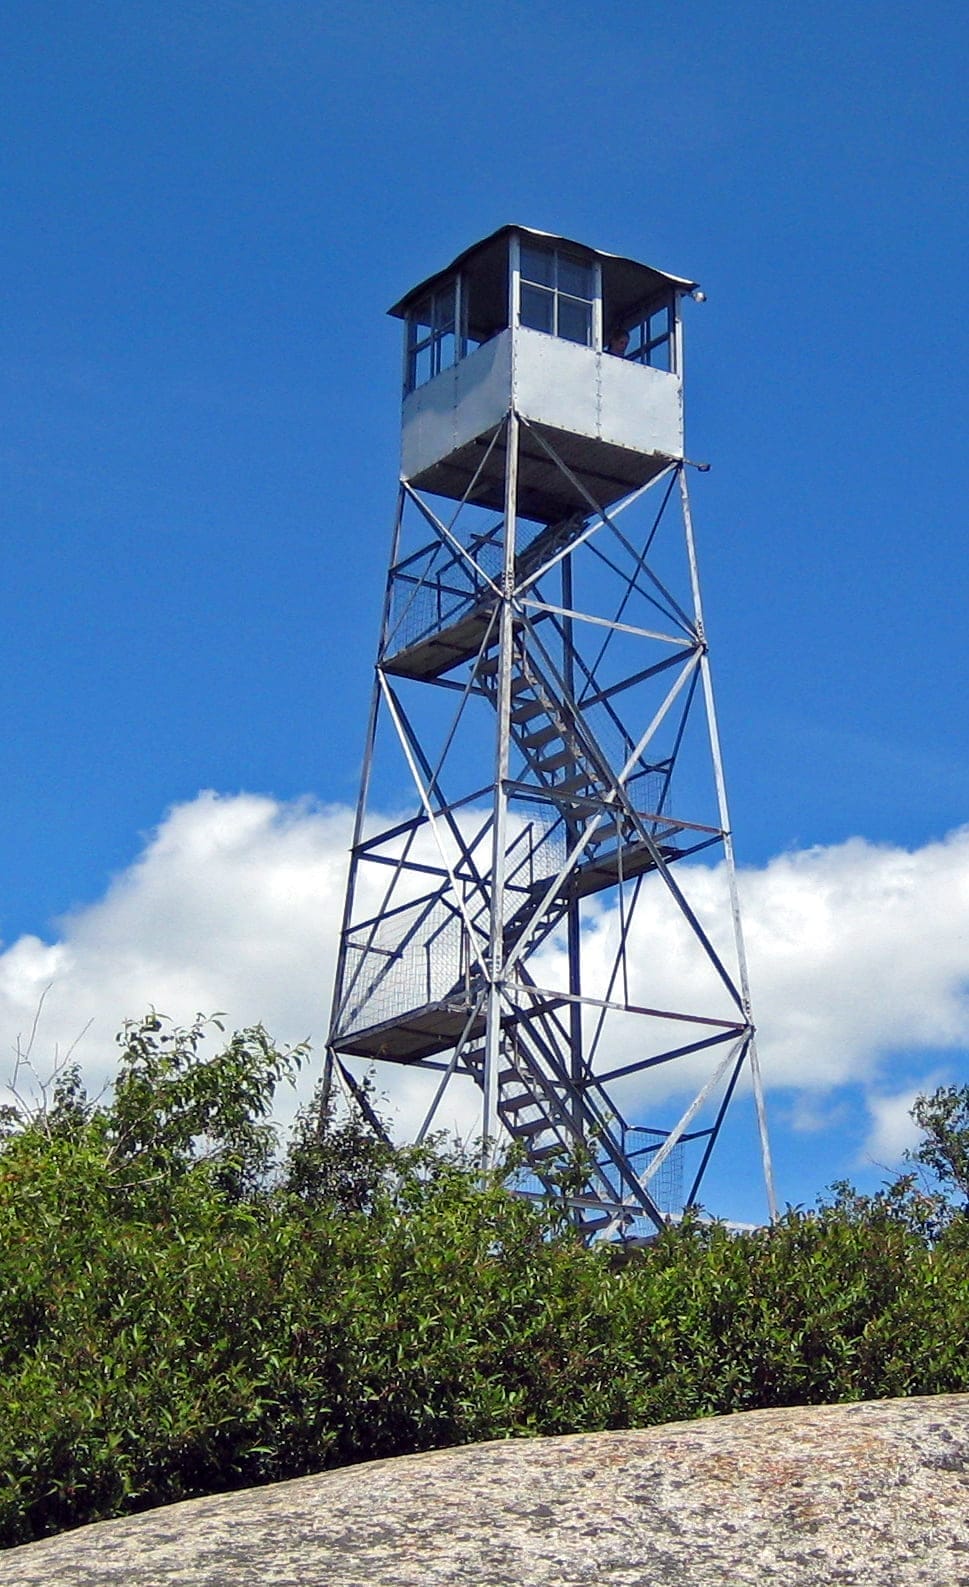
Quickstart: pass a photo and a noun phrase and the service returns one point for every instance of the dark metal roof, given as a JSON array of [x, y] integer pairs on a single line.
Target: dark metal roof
[[651, 278]]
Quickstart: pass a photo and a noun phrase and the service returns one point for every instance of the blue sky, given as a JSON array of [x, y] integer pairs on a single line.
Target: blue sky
[[209, 207]]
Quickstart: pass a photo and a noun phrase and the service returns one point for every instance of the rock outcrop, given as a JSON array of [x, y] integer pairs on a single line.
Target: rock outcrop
[[875, 1493]]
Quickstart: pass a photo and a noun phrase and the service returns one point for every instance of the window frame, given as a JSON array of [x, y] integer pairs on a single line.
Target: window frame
[[443, 301], [648, 343], [558, 294]]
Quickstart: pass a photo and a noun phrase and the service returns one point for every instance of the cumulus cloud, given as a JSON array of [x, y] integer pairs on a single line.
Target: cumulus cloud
[[859, 952], [233, 904], [893, 1130]]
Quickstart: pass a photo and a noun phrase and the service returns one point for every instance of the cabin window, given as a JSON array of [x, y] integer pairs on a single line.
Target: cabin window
[[651, 338], [433, 341], [557, 293]]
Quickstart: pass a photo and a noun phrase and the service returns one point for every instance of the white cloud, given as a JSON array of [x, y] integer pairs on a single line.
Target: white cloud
[[233, 904], [859, 953], [893, 1130]]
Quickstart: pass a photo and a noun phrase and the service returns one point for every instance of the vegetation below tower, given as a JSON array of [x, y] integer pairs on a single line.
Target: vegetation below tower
[[183, 1310]]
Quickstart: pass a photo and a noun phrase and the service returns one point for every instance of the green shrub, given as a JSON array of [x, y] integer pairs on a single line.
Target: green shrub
[[178, 1317]]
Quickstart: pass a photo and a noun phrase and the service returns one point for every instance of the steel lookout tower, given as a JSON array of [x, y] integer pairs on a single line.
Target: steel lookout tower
[[525, 924]]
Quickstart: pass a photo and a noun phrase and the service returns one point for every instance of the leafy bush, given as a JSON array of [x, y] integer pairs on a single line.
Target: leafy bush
[[179, 1315]]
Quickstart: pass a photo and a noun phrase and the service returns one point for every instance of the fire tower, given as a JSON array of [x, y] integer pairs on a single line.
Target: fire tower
[[522, 919]]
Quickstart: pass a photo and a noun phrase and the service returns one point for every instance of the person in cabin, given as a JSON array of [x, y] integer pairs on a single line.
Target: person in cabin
[[618, 342]]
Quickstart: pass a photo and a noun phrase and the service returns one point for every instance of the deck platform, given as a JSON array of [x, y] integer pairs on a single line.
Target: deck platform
[[441, 649], [434, 1028]]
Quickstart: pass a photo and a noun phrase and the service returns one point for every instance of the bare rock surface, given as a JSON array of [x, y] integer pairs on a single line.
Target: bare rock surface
[[874, 1493]]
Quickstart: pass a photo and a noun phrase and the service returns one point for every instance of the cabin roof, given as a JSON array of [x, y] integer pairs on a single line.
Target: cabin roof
[[622, 277]]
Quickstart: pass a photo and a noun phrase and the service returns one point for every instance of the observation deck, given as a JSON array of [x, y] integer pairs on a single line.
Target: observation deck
[[584, 346]]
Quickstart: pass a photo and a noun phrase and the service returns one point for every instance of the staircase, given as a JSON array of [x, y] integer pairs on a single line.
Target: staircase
[[569, 769], [564, 769], [553, 1131]]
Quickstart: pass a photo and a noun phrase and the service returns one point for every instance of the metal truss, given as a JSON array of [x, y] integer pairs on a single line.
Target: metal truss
[[544, 691]]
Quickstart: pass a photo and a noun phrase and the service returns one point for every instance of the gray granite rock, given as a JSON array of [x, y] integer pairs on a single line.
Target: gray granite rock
[[875, 1493]]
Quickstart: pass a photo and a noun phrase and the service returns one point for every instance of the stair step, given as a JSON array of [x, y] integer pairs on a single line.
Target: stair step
[[572, 784], [475, 1062], [515, 1104], [527, 709], [522, 1132], [488, 667], [593, 1225], [540, 1154], [606, 830], [544, 735], [565, 757], [521, 915]]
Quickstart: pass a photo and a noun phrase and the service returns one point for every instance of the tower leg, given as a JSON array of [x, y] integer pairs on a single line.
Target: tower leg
[[490, 1120]]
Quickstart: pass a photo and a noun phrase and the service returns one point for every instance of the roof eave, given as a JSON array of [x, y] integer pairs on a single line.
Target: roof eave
[[399, 309]]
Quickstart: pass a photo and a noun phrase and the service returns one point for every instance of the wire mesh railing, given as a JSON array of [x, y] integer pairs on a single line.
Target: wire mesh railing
[[392, 972]]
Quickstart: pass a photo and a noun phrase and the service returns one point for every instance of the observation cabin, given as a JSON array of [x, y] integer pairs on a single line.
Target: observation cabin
[[585, 346]]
